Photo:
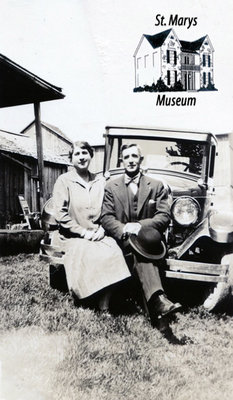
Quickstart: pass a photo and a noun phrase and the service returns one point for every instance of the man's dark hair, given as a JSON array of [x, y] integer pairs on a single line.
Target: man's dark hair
[[82, 145], [128, 145]]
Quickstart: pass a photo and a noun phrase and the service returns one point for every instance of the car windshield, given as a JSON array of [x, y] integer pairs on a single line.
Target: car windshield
[[172, 155]]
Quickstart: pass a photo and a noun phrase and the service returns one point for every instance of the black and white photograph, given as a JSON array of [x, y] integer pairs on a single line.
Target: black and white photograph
[[116, 200]]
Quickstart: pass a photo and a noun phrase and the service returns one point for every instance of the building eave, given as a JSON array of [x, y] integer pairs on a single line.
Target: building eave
[[19, 86]]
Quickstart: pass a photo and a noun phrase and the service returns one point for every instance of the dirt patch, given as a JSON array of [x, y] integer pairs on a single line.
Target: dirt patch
[[28, 363]]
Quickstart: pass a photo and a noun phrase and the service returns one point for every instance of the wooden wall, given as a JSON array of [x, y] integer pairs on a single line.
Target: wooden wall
[[231, 156], [222, 173], [55, 143], [11, 183], [51, 173], [21, 178], [97, 161]]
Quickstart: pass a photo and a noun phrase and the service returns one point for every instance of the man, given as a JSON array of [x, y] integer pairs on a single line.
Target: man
[[136, 212]]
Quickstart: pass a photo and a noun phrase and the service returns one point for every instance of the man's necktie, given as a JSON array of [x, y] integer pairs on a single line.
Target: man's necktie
[[132, 182]]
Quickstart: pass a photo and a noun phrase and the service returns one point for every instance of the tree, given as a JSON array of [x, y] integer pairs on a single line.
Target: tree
[[194, 151], [178, 87], [161, 87]]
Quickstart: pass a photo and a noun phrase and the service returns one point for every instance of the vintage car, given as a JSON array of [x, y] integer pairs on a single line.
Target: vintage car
[[198, 265]]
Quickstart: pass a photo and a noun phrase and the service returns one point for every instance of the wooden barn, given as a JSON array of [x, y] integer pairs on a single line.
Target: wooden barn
[[53, 138], [23, 167], [19, 175], [223, 174], [58, 143], [19, 86], [224, 171]]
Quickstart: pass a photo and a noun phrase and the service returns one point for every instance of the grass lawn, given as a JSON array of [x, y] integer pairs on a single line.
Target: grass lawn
[[50, 349]]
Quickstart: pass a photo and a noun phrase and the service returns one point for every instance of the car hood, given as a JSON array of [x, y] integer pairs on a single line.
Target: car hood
[[181, 185]]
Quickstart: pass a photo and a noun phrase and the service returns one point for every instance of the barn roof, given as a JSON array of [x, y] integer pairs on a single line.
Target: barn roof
[[25, 146], [19, 86], [50, 127]]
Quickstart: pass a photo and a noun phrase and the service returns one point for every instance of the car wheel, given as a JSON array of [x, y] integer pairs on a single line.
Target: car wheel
[[222, 290]]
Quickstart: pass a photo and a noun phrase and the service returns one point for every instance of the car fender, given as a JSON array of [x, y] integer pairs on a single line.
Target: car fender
[[221, 226], [201, 230]]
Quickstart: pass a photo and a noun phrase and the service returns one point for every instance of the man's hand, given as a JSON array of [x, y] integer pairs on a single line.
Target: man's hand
[[132, 227]]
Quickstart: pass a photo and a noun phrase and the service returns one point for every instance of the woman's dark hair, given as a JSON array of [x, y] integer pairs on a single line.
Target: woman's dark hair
[[82, 145]]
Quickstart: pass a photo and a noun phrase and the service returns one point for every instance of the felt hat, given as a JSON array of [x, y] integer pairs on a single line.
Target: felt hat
[[148, 243]]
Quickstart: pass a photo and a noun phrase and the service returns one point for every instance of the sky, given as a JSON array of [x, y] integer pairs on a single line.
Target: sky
[[87, 46]]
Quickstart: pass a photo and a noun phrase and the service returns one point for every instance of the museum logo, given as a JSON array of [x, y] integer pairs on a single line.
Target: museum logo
[[165, 63]]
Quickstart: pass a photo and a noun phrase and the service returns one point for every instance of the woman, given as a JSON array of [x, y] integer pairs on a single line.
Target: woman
[[92, 260]]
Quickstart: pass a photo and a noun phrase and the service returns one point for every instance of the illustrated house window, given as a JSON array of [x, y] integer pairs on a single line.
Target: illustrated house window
[[209, 77], [203, 59], [138, 62], [208, 60], [146, 57], [204, 78], [175, 58], [175, 76], [168, 77], [154, 58], [168, 56]]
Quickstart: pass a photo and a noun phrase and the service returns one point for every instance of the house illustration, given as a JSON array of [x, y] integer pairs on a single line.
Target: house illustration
[[165, 56]]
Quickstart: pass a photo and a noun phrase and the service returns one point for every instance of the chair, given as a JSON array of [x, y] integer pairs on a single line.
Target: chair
[[32, 219]]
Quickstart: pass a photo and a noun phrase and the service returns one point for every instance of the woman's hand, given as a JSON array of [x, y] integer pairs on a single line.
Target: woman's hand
[[89, 234], [94, 234], [99, 234]]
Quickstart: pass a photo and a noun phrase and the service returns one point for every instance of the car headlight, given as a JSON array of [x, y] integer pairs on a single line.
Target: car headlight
[[185, 210]]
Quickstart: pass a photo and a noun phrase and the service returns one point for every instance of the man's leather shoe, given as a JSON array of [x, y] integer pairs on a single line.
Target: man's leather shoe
[[163, 306]]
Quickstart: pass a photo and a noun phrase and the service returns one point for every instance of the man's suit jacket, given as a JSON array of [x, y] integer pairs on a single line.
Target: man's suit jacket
[[153, 206]]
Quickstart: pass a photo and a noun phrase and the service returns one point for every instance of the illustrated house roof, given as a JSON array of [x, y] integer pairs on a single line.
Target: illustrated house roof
[[157, 39], [51, 128], [192, 46], [19, 86]]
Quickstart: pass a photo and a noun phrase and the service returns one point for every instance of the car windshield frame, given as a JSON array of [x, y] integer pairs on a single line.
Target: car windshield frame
[[121, 135]]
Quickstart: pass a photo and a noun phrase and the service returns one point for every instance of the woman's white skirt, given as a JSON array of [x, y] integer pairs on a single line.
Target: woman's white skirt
[[92, 266]]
